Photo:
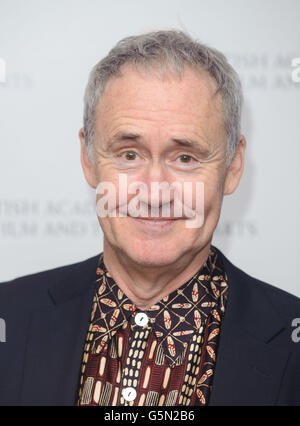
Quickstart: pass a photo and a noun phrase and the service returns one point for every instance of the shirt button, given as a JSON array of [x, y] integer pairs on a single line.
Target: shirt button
[[141, 319], [129, 394]]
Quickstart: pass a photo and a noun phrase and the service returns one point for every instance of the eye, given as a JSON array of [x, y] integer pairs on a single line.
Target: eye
[[185, 158], [129, 155]]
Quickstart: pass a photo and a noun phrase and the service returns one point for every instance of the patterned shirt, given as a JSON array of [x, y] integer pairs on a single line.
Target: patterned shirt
[[162, 356]]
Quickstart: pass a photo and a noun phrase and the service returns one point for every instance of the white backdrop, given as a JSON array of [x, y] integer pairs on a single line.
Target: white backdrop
[[47, 48]]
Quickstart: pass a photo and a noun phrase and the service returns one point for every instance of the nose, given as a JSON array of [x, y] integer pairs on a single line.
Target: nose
[[158, 181], [155, 171]]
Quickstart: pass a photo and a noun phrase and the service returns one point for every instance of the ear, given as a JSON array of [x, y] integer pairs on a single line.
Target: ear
[[236, 167], [87, 165]]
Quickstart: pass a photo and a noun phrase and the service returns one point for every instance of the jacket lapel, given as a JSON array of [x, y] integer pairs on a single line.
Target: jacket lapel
[[251, 357], [56, 340]]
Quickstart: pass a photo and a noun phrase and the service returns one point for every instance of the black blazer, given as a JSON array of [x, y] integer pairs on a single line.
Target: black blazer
[[47, 316]]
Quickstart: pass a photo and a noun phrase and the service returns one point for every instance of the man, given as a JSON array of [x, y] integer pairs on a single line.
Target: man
[[161, 317]]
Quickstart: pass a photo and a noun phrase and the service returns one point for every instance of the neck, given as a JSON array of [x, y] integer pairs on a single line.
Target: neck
[[145, 286]]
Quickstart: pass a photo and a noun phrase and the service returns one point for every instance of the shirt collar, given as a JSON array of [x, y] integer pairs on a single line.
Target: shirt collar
[[174, 319]]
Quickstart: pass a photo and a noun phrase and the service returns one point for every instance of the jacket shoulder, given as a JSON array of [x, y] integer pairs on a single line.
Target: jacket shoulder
[[32, 288], [284, 302]]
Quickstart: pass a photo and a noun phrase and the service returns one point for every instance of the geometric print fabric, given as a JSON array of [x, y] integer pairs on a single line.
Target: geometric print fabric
[[170, 360]]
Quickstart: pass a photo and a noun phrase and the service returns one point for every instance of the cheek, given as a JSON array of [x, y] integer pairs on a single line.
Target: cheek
[[105, 172], [213, 194]]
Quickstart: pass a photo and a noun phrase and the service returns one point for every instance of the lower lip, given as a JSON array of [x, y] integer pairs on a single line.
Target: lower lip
[[156, 224]]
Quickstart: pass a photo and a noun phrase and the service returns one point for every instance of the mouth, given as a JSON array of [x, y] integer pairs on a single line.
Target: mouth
[[155, 223]]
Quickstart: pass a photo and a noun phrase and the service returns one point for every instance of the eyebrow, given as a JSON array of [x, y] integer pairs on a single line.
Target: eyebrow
[[120, 137], [186, 142], [124, 136]]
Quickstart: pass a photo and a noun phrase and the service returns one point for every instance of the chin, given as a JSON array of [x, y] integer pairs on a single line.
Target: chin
[[153, 253], [152, 259]]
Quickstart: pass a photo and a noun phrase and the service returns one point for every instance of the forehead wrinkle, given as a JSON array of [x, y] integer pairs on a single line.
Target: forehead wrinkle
[[146, 119]]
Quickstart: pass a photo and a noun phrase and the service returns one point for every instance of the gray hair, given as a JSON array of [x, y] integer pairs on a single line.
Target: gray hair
[[173, 50]]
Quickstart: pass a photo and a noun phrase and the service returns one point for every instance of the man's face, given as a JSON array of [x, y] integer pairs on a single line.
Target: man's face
[[156, 130]]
